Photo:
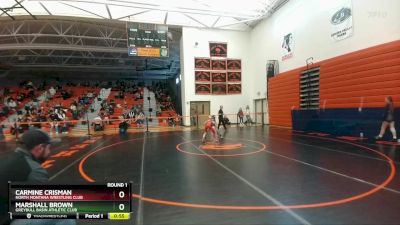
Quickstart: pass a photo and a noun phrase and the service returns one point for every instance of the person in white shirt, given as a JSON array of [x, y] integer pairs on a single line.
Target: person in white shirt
[[247, 113], [52, 91], [89, 94], [12, 104]]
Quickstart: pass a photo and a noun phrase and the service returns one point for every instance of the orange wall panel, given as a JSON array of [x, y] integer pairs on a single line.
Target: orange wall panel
[[283, 94], [362, 78]]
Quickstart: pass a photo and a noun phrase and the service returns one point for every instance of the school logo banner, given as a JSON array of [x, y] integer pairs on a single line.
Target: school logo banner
[[287, 46], [342, 20]]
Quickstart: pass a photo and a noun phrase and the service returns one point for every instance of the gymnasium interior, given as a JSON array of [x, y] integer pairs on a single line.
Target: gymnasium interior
[[273, 112]]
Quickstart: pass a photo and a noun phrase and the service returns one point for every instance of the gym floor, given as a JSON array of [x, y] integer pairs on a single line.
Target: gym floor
[[256, 175]]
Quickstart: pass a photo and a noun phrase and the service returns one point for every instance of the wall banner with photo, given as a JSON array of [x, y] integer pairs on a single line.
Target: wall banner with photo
[[234, 76], [219, 89], [218, 77], [202, 63], [218, 64], [218, 49], [287, 46], [234, 64], [234, 88], [203, 89], [202, 76]]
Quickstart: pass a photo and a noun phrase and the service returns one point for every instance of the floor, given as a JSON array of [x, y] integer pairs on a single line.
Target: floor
[[256, 175]]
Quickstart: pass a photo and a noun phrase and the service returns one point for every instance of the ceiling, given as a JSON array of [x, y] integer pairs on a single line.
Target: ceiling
[[75, 36], [219, 14]]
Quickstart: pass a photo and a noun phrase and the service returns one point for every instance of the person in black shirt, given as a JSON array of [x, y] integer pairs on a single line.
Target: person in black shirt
[[221, 117], [388, 119], [24, 165]]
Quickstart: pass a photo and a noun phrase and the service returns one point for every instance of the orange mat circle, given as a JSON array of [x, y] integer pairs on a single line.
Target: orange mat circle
[[180, 149]]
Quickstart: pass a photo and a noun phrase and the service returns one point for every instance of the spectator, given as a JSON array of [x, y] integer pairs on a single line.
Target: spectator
[[35, 149], [12, 104], [240, 115], [388, 119], [221, 117], [247, 113], [140, 119], [52, 92], [98, 124], [123, 127]]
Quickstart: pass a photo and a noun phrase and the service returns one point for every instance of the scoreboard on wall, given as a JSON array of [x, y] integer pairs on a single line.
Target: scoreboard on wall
[[149, 40], [111, 201]]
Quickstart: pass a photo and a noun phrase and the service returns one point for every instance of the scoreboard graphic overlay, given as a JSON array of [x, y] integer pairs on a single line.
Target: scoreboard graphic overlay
[[111, 201], [148, 40]]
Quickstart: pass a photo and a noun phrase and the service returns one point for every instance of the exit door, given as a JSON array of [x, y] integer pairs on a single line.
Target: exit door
[[261, 116], [200, 110]]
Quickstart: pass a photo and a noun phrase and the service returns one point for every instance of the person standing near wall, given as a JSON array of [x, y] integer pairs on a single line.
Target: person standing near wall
[[388, 119], [221, 117], [247, 113], [241, 115]]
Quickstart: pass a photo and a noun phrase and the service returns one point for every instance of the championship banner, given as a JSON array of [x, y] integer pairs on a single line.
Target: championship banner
[[287, 46], [234, 76], [202, 76], [218, 77], [202, 63], [219, 89], [204, 89], [342, 20], [234, 88], [234, 64], [218, 64], [218, 49]]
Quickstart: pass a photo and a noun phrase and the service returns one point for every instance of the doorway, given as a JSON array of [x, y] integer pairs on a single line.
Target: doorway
[[261, 112], [202, 109]]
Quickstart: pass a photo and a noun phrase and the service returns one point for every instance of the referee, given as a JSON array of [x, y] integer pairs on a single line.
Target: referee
[[221, 118]]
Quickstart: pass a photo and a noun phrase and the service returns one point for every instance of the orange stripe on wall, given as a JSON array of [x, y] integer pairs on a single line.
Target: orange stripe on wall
[[367, 75]]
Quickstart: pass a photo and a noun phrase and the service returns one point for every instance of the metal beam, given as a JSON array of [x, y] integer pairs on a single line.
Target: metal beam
[[63, 47], [19, 3], [166, 18], [13, 6], [5, 11], [134, 14], [44, 7], [83, 10], [195, 20], [63, 36], [108, 11]]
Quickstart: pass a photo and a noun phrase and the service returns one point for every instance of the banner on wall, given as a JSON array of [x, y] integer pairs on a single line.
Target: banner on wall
[[218, 64], [218, 77], [287, 46], [234, 76], [234, 88], [202, 76], [203, 89], [219, 89], [218, 49], [234, 64], [202, 63], [342, 20]]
